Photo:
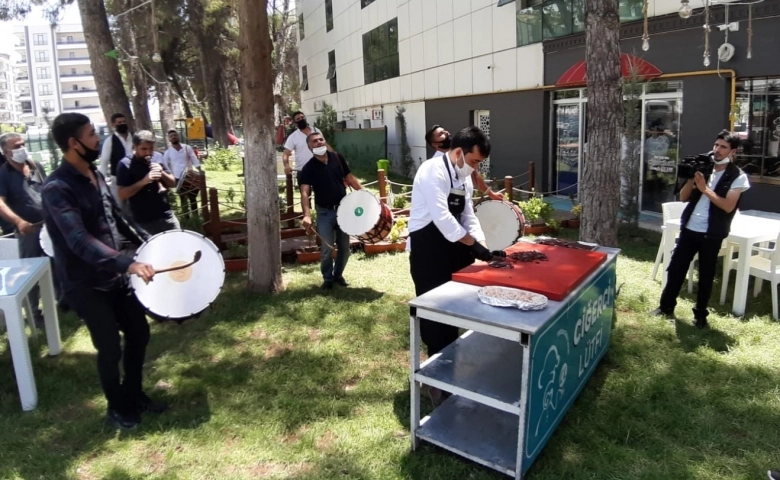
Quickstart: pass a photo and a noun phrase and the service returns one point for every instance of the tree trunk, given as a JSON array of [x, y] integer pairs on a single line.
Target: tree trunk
[[180, 93], [164, 98], [136, 75], [262, 194], [143, 119], [111, 92], [600, 178], [211, 61]]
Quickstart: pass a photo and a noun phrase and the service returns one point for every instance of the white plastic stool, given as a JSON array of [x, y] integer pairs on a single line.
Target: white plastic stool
[[17, 278], [9, 250]]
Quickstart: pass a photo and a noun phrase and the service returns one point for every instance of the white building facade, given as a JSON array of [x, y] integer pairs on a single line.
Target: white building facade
[[10, 110], [54, 74]]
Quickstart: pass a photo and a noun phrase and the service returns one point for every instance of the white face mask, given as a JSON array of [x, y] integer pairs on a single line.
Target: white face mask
[[465, 170], [320, 151], [19, 155], [724, 161]]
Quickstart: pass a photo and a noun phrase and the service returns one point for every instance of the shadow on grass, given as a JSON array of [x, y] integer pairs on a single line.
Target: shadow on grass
[[691, 338]]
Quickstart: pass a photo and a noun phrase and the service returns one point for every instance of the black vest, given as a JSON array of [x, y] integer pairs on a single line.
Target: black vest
[[718, 221], [117, 153]]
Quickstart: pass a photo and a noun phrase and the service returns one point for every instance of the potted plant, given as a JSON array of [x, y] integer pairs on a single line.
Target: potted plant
[[576, 211], [538, 215], [400, 201]]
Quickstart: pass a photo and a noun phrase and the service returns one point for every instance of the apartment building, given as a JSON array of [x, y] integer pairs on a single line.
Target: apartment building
[[515, 68], [54, 74], [10, 112]]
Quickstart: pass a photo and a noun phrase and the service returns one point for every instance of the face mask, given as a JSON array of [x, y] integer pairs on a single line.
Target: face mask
[[19, 155], [302, 124], [724, 161], [446, 143], [122, 129], [465, 170], [320, 151], [89, 155]]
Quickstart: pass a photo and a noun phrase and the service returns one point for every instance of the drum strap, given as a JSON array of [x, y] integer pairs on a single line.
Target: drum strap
[[343, 175]]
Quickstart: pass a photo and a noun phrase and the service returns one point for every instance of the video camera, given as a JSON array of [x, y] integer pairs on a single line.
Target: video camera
[[703, 163]]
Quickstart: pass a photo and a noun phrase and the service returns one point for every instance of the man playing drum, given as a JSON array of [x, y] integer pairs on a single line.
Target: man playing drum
[[444, 233], [180, 158], [84, 224], [327, 175], [440, 139]]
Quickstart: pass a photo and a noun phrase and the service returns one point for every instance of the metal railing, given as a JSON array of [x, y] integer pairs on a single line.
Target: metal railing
[[81, 90], [65, 59], [66, 75], [80, 107]]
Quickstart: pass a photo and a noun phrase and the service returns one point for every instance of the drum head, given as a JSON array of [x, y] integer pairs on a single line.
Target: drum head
[[358, 212], [45, 241], [180, 294], [499, 222]]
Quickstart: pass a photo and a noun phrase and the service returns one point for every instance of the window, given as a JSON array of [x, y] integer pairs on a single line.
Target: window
[[73, 71], [72, 55], [47, 106], [43, 73], [40, 39], [44, 89], [757, 122], [380, 53], [300, 27], [539, 20], [76, 103], [26, 106], [365, 3], [41, 56], [304, 79], [70, 39], [332, 71], [75, 87], [328, 15]]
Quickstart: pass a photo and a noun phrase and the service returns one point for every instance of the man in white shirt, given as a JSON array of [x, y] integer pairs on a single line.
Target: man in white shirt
[[296, 142], [444, 233], [440, 139], [179, 158], [706, 222], [115, 148]]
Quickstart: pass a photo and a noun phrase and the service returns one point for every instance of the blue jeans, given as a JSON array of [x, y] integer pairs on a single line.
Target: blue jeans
[[328, 229]]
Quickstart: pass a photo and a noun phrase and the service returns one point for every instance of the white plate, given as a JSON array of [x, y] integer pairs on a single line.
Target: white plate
[[511, 297]]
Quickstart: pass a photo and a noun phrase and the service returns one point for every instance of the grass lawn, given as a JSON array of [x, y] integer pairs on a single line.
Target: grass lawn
[[307, 385]]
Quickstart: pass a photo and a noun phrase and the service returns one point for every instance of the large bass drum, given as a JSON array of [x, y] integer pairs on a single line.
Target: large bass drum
[[45, 240], [362, 215], [185, 293], [502, 222]]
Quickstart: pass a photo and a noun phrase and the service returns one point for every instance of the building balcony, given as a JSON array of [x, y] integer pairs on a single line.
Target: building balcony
[[73, 60], [27, 112], [77, 76], [23, 79], [80, 108], [21, 46], [19, 62], [84, 92], [72, 44]]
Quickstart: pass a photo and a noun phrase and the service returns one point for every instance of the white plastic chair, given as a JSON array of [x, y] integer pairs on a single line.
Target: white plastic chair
[[765, 265], [9, 250], [670, 211]]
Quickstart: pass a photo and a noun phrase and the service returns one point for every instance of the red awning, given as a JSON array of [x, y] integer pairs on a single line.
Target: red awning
[[577, 75]]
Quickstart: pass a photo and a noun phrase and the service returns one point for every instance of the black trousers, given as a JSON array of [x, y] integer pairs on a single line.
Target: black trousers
[[688, 245], [432, 262], [106, 314]]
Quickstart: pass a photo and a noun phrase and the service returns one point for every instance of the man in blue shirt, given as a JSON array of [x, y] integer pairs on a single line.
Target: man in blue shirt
[[142, 180], [85, 227]]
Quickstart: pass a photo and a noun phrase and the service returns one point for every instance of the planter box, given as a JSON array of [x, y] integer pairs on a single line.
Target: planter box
[[383, 247], [311, 254], [537, 229], [574, 223], [236, 264]]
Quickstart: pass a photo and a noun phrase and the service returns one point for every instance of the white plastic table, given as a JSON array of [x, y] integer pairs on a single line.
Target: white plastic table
[[17, 278], [747, 229]]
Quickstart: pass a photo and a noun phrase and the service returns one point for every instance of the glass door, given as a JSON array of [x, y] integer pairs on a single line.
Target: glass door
[[660, 151], [566, 147]]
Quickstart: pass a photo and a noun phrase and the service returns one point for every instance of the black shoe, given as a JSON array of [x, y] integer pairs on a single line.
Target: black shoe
[[773, 474], [660, 313], [340, 281], [147, 405], [701, 323], [123, 421], [327, 285]]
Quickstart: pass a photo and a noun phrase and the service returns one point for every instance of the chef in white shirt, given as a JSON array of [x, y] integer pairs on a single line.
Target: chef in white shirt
[[444, 233]]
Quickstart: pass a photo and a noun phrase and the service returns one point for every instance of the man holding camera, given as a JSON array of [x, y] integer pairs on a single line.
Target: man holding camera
[[706, 222]]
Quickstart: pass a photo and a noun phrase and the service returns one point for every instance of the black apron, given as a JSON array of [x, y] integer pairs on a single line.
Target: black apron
[[433, 258]]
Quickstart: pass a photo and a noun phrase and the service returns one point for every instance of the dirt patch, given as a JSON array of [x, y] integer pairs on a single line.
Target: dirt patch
[[277, 350], [258, 334], [325, 442], [314, 334]]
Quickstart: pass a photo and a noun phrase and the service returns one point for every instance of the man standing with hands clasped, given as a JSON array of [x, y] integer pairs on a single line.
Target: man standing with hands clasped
[[705, 223], [444, 233], [327, 175], [297, 142]]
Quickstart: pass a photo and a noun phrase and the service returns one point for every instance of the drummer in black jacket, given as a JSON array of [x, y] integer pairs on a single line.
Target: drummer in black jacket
[[327, 174], [85, 227]]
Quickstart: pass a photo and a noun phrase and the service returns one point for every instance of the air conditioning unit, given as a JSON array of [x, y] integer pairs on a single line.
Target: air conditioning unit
[[376, 114], [318, 105]]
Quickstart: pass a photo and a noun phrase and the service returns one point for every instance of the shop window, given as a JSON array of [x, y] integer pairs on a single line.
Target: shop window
[[380, 53], [328, 15], [539, 20], [757, 122]]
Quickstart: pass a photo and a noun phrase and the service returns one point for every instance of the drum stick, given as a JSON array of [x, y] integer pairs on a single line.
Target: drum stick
[[195, 260], [322, 239], [8, 235]]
